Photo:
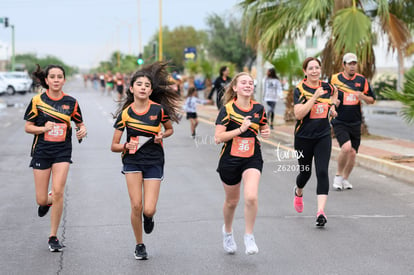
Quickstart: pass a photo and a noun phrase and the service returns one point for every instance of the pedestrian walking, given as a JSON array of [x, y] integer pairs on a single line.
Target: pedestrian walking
[[102, 82], [313, 107], [237, 126], [272, 92], [119, 80], [190, 107], [220, 85], [48, 117], [352, 89], [150, 103]]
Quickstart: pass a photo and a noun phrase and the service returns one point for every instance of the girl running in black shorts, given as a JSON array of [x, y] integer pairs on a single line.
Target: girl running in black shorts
[[48, 117], [150, 104], [313, 108], [239, 122]]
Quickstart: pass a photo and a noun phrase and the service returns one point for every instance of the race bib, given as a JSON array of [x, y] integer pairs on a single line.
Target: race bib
[[350, 99], [319, 110], [141, 141], [242, 147], [57, 134]]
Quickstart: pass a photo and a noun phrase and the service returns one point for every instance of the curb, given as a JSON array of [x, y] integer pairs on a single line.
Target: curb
[[381, 166]]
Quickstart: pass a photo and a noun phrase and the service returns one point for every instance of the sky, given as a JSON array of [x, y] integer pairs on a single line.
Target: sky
[[84, 32]]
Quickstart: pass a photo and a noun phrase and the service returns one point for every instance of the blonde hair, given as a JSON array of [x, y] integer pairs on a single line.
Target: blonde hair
[[229, 94]]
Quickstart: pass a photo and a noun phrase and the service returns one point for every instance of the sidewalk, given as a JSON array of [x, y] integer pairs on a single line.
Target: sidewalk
[[387, 156]]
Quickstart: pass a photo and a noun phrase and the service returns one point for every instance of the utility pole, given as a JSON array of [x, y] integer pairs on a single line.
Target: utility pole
[[13, 62], [139, 27], [160, 34]]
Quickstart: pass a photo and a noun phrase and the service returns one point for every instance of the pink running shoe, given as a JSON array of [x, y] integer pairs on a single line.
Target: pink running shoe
[[321, 218], [298, 202]]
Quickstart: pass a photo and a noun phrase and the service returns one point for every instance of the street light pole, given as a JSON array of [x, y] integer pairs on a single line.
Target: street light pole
[[160, 34], [139, 27], [13, 65]]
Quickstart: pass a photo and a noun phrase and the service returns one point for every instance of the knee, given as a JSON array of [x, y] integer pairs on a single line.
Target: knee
[[149, 212], [136, 208], [57, 195], [231, 203], [347, 148], [250, 200], [41, 201]]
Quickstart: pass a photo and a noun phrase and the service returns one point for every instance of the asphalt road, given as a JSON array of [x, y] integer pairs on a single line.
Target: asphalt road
[[369, 229]]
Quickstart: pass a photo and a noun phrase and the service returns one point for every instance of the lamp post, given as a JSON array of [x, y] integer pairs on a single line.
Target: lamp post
[[160, 33]]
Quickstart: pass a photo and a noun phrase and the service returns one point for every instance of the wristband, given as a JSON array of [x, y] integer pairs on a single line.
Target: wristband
[[125, 145], [240, 130]]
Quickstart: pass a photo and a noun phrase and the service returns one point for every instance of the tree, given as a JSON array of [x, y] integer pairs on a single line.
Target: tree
[[288, 63], [174, 43], [226, 42], [406, 97], [30, 60], [347, 23]]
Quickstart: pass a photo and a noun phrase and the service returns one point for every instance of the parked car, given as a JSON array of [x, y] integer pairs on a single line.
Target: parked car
[[16, 82], [3, 87]]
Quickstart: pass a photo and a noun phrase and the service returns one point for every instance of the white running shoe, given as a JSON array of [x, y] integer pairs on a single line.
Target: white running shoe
[[346, 184], [249, 242], [338, 183], [229, 244]]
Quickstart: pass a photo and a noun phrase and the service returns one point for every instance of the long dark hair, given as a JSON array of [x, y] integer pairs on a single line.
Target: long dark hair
[[41, 75], [271, 73], [162, 92]]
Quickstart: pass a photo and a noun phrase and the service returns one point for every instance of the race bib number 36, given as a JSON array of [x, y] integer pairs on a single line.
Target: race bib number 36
[[57, 134], [242, 147]]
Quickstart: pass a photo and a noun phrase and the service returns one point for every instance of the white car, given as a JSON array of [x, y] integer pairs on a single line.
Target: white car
[[3, 87], [16, 82]]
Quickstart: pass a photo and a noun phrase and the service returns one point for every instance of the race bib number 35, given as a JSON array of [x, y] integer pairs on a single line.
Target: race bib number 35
[[57, 134], [242, 147]]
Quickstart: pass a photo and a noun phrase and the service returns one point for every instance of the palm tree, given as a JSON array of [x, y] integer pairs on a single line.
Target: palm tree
[[348, 24], [288, 63], [406, 97]]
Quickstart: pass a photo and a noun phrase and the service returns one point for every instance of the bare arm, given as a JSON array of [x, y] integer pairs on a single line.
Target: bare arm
[[31, 128], [168, 131], [221, 135], [301, 110]]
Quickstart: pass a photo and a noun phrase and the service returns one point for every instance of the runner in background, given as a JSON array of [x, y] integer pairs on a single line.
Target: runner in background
[[353, 88], [190, 107], [272, 92], [237, 126], [220, 85]]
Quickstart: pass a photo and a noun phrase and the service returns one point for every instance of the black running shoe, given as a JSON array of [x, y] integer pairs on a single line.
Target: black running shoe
[[148, 224], [321, 219], [140, 252], [54, 244], [42, 210]]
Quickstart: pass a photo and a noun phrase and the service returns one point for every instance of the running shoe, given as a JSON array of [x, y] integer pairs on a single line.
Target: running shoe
[[346, 184], [140, 252], [338, 183], [321, 219], [43, 209], [229, 244], [298, 202], [54, 244], [148, 224], [249, 242]]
